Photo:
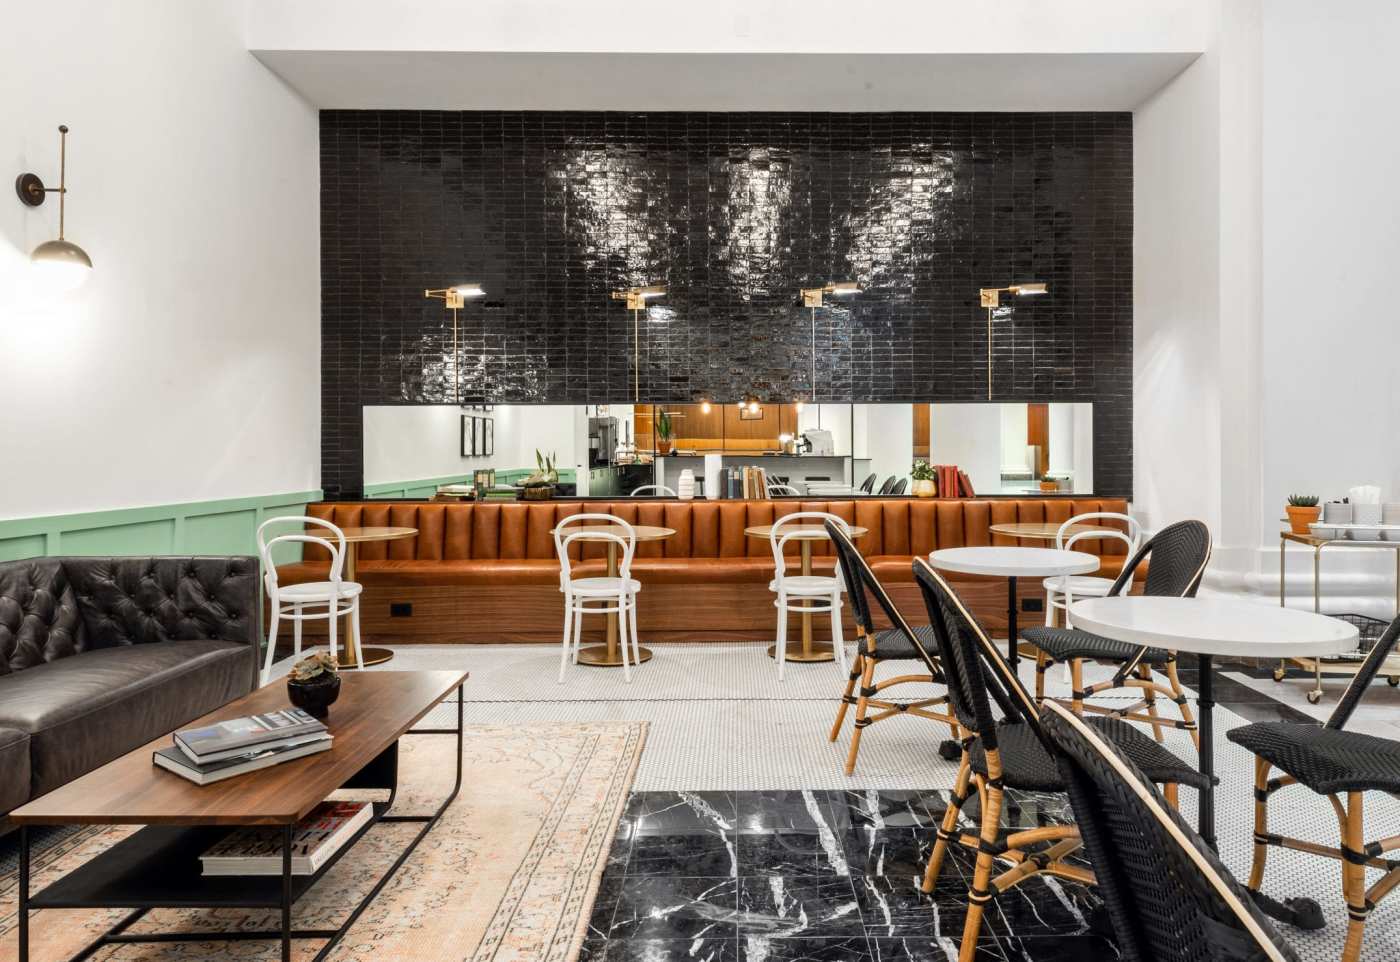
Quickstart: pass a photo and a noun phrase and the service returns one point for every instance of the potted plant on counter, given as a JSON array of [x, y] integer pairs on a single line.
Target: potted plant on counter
[[1048, 483], [1302, 511], [540, 485], [665, 431], [925, 485]]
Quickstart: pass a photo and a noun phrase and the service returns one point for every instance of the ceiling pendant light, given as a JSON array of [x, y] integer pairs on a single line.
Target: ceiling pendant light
[[62, 264]]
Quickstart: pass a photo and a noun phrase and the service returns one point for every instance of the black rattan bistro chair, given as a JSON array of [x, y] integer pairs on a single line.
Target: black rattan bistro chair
[[899, 486], [874, 647], [1178, 555], [1169, 897], [1343, 766], [888, 483], [1009, 753], [868, 485]]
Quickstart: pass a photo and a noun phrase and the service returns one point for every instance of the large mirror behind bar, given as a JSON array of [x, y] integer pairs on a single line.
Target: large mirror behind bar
[[816, 450]]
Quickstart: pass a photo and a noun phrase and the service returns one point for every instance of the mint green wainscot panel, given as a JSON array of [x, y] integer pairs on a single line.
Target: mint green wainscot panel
[[425, 488], [221, 527]]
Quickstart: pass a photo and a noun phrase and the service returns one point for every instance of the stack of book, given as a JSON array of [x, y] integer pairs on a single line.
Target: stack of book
[[318, 836], [241, 745]]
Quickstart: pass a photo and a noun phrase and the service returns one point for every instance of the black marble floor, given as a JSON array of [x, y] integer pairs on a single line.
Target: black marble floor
[[816, 875], [811, 876]]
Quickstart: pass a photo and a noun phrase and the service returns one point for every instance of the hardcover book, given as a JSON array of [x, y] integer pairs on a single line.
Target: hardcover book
[[247, 732], [318, 836], [174, 760]]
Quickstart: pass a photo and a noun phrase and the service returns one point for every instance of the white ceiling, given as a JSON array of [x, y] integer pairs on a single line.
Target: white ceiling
[[476, 80]]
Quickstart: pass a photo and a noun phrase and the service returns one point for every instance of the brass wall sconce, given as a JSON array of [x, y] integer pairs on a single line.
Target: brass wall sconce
[[636, 298], [454, 299], [65, 264], [812, 298], [991, 299]]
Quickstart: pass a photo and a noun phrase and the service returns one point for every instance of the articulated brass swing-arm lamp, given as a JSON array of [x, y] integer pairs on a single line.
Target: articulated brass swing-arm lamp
[[636, 298], [812, 298], [454, 299], [991, 299]]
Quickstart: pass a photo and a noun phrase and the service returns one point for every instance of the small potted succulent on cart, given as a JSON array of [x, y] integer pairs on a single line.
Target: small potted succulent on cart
[[1302, 511], [540, 485], [925, 484], [314, 684]]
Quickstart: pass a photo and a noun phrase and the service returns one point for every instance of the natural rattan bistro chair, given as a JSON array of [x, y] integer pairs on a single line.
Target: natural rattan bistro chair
[[1009, 753], [1169, 897], [1343, 766], [1178, 555], [875, 647]]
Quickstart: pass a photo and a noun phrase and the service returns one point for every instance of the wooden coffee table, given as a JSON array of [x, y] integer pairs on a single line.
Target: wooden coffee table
[[158, 866]]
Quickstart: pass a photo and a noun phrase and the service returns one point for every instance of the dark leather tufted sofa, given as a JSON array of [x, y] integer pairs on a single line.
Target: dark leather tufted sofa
[[100, 655]]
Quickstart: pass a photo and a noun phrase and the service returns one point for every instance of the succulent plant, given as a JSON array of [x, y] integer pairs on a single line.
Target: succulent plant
[[314, 666], [1303, 500], [922, 471]]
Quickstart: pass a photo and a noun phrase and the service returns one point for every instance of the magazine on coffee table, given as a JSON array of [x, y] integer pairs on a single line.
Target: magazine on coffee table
[[318, 836]]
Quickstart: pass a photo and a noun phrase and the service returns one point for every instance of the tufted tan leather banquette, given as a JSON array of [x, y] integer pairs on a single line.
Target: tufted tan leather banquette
[[487, 572]]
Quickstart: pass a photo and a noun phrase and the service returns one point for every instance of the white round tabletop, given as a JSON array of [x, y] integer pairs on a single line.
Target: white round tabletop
[[1005, 561], [1214, 626]]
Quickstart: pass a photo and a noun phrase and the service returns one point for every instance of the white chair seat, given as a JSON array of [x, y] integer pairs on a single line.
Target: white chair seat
[[814, 585], [1079, 585], [312, 590], [604, 586]]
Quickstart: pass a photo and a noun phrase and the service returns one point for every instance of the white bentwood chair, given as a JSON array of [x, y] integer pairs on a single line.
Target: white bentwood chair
[[783, 491], [610, 595], [328, 599], [647, 489], [793, 591], [1061, 590]]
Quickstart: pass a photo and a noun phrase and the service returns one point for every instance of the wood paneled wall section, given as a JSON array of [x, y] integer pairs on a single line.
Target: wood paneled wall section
[[1038, 432], [921, 430]]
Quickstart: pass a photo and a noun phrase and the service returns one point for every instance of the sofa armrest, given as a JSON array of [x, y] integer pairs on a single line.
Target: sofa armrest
[[132, 601]]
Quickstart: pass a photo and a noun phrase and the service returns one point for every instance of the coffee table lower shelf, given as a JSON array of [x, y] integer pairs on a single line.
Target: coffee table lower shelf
[[158, 867]]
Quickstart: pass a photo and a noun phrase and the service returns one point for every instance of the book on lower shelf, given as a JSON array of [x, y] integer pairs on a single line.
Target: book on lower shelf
[[173, 759], [318, 836]]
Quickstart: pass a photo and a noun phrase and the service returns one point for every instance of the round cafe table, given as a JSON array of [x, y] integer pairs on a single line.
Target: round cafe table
[[804, 535], [354, 537], [1207, 627], [1011, 563], [608, 655], [1040, 530]]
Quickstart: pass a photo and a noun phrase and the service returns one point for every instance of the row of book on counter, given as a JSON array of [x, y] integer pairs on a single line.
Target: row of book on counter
[[241, 745]]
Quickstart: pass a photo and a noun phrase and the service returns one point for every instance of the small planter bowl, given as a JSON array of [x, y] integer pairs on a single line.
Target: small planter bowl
[[316, 696]]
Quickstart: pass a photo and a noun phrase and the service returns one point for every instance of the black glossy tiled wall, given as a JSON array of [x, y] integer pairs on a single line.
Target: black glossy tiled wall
[[733, 212]]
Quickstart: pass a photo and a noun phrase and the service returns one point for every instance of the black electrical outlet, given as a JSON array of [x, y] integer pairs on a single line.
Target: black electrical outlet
[[401, 609], [1032, 604]]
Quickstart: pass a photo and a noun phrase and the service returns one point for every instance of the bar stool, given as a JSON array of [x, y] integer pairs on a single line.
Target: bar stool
[[338, 597], [611, 595]]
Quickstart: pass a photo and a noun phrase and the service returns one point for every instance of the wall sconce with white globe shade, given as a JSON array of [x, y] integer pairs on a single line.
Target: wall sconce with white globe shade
[[62, 264]]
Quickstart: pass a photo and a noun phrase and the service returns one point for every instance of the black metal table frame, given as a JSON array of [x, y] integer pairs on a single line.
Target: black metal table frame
[[384, 768]]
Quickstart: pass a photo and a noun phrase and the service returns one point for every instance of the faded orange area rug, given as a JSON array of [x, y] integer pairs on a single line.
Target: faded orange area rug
[[507, 875]]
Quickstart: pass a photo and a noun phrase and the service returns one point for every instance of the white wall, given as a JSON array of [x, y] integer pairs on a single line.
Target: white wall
[[1330, 344], [973, 437], [187, 368], [414, 442]]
